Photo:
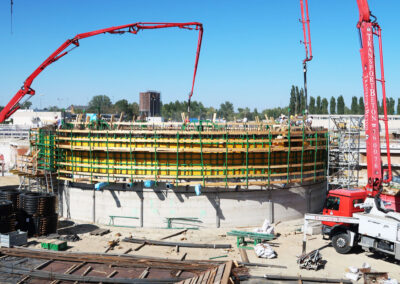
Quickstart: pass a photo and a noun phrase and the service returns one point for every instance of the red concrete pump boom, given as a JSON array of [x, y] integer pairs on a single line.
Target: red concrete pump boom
[[305, 20], [26, 89], [368, 29]]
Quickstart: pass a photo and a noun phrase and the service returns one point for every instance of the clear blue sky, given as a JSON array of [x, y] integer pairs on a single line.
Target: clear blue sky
[[251, 53]]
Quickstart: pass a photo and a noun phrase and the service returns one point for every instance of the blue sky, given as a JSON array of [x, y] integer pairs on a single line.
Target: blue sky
[[251, 53]]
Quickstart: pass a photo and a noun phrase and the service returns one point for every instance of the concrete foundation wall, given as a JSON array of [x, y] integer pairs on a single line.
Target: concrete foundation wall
[[215, 207]]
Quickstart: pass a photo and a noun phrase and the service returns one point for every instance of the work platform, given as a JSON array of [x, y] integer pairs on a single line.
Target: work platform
[[206, 154]]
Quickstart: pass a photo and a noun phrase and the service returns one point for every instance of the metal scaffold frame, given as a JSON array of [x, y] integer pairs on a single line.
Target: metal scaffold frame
[[344, 151], [207, 154]]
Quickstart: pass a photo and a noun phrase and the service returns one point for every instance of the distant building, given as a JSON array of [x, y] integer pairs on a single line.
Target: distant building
[[76, 109], [150, 104]]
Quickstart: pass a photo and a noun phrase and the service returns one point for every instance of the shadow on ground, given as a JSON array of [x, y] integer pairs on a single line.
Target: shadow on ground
[[77, 229]]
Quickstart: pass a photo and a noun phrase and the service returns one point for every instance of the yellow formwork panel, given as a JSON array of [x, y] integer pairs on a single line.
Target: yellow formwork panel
[[229, 157]]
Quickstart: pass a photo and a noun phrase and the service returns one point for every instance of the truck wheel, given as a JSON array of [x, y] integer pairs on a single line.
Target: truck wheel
[[341, 243]]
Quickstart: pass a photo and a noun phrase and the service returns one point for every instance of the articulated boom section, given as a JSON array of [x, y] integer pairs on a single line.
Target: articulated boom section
[[134, 28], [373, 146]]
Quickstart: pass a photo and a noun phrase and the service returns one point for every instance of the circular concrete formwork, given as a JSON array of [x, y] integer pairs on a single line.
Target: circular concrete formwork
[[215, 207]]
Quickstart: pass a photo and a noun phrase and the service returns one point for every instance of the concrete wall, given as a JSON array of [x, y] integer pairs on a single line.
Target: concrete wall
[[214, 207], [31, 118]]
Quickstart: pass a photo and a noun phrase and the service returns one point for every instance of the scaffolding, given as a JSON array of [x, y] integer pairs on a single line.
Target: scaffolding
[[344, 151], [204, 153]]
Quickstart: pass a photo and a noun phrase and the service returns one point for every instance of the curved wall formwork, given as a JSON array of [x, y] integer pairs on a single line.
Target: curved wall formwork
[[206, 155], [223, 174]]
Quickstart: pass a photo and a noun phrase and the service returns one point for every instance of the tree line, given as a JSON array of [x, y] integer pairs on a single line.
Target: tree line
[[172, 110]]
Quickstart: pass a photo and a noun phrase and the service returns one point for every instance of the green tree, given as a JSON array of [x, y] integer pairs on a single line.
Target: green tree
[[332, 105], [398, 106], [340, 105], [100, 104], [319, 106], [361, 107], [354, 105], [391, 106], [302, 102], [298, 102], [311, 106], [26, 105], [324, 106], [226, 111], [123, 106], [292, 102]]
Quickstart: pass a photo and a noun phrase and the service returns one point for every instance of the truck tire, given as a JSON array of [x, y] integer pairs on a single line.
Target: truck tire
[[341, 243]]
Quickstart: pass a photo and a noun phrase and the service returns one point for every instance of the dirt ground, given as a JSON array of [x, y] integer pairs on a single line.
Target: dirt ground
[[289, 247]]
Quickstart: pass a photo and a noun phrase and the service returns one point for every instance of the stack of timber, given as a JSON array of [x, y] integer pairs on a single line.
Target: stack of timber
[[28, 265], [207, 154]]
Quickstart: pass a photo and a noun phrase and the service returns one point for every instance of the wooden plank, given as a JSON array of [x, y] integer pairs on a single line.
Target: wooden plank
[[180, 271], [227, 272], [219, 274], [144, 273], [86, 272], [206, 276], [243, 255], [112, 274], [210, 279]]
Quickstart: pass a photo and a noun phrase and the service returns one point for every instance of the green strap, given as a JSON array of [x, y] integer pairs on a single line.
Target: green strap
[[177, 158], [288, 155], [108, 159], [155, 157], [269, 156], [302, 151], [90, 157], [201, 157], [247, 159], [226, 159], [130, 151], [72, 158], [315, 155]]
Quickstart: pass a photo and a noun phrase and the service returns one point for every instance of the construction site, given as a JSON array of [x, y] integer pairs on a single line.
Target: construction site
[[166, 194]]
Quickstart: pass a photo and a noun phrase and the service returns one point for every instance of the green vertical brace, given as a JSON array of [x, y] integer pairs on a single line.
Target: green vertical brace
[[288, 156], [201, 158], [302, 151], [262, 146], [247, 159], [130, 151], [269, 156], [108, 161], [326, 143], [254, 153], [226, 159], [155, 157], [91, 156], [177, 158], [315, 155], [72, 158]]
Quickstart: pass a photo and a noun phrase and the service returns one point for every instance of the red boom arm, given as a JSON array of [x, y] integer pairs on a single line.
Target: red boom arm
[[367, 30], [26, 89], [305, 20]]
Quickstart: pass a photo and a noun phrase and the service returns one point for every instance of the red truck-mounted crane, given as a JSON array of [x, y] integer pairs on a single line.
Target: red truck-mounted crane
[[358, 216], [134, 28], [368, 29]]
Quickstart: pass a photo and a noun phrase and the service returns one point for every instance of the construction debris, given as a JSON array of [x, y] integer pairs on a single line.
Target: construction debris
[[264, 251], [100, 232], [312, 260], [176, 244]]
